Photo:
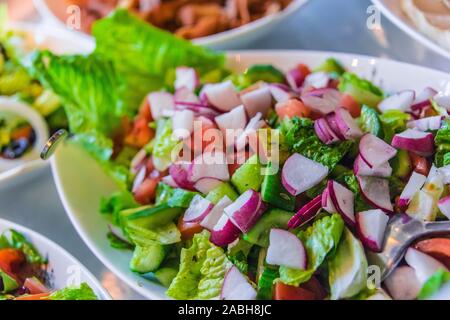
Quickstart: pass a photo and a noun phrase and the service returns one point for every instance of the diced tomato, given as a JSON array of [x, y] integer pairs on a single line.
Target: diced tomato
[[40, 296], [292, 108], [188, 229], [140, 134], [35, 286], [22, 132], [145, 111], [11, 260], [334, 83], [349, 103], [304, 71], [314, 286], [420, 164], [438, 248], [285, 292], [146, 192]]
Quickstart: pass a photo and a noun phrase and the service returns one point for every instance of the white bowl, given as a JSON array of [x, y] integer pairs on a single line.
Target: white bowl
[[393, 11], [82, 188], [64, 269], [52, 12]]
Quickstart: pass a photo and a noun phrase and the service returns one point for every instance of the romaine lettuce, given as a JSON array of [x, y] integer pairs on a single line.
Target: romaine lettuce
[[84, 292], [165, 145], [442, 142], [364, 91]]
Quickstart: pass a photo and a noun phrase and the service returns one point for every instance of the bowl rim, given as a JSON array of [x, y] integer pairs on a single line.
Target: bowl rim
[[230, 54], [39, 238]]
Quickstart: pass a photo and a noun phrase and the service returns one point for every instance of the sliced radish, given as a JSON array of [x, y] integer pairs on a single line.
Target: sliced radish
[[34, 286], [236, 119], [361, 168], [347, 125], [331, 120], [200, 110], [286, 249], [376, 192], [426, 124], [445, 174], [343, 200], [209, 165], [138, 161], [444, 206], [400, 101], [415, 141], [183, 124], [375, 151], [236, 286], [198, 209], [300, 174], [317, 80], [170, 181], [205, 185], [159, 103], [327, 203], [324, 100], [222, 96], [415, 183], [186, 78], [403, 284], [216, 213], [324, 132], [252, 127], [180, 173], [224, 232], [442, 294], [281, 92], [140, 176], [306, 213], [246, 210], [424, 265], [423, 99], [371, 225], [259, 100], [295, 79], [443, 100], [184, 95]]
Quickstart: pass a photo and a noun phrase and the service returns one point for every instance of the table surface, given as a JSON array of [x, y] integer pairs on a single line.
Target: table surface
[[328, 25]]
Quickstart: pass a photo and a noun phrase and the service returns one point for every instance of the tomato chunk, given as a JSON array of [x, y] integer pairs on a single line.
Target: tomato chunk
[[438, 248], [285, 292], [11, 260], [349, 103], [292, 108], [188, 229]]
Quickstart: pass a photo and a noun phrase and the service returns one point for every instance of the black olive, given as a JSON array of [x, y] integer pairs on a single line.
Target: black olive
[[16, 149]]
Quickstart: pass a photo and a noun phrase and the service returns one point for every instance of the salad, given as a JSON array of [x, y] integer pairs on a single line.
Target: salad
[[24, 276], [256, 185]]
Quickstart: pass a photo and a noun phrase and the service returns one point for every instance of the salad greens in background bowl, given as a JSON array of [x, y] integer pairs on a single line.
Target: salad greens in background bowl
[[34, 268], [360, 139]]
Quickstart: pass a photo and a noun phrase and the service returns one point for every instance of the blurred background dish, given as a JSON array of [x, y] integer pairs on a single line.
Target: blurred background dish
[[218, 24], [427, 21]]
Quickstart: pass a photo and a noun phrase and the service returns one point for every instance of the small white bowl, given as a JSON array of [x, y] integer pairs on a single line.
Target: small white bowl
[[64, 269], [52, 11]]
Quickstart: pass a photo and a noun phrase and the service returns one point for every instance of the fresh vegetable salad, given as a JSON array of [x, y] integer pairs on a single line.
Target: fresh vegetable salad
[[23, 273], [256, 185]]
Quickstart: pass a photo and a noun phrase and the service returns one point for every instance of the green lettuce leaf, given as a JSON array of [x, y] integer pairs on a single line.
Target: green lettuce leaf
[[238, 254], [364, 91], [117, 202], [14, 239], [433, 284], [165, 145], [320, 240], [393, 122], [84, 292], [442, 142], [347, 270], [202, 270]]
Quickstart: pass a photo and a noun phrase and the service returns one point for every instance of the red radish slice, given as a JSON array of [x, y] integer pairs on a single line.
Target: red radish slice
[[253, 125], [236, 286], [424, 265], [222, 96], [376, 192], [281, 92], [371, 225], [170, 181], [295, 79], [426, 124], [444, 206], [300, 174], [400, 101], [347, 125], [185, 95], [209, 165], [317, 80], [183, 124], [285, 249], [259, 100], [324, 100], [246, 210], [443, 100], [327, 203], [306, 213], [403, 284], [415, 141], [224, 232], [198, 209], [180, 173], [361, 168], [34, 286], [375, 151], [140, 176], [160, 102], [331, 120], [198, 109], [186, 78], [324, 132], [205, 185], [138, 161], [415, 183], [445, 174], [423, 99], [343, 200], [234, 120], [216, 213]]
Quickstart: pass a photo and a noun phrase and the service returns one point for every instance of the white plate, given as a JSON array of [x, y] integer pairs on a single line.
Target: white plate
[[81, 183], [64, 269], [392, 10], [52, 13]]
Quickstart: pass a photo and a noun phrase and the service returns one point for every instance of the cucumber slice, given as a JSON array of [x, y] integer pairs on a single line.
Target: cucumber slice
[[224, 189], [165, 275], [369, 122], [248, 176], [147, 259], [264, 72], [151, 217], [9, 284], [273, 192], [274, 218], [401, 164]]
